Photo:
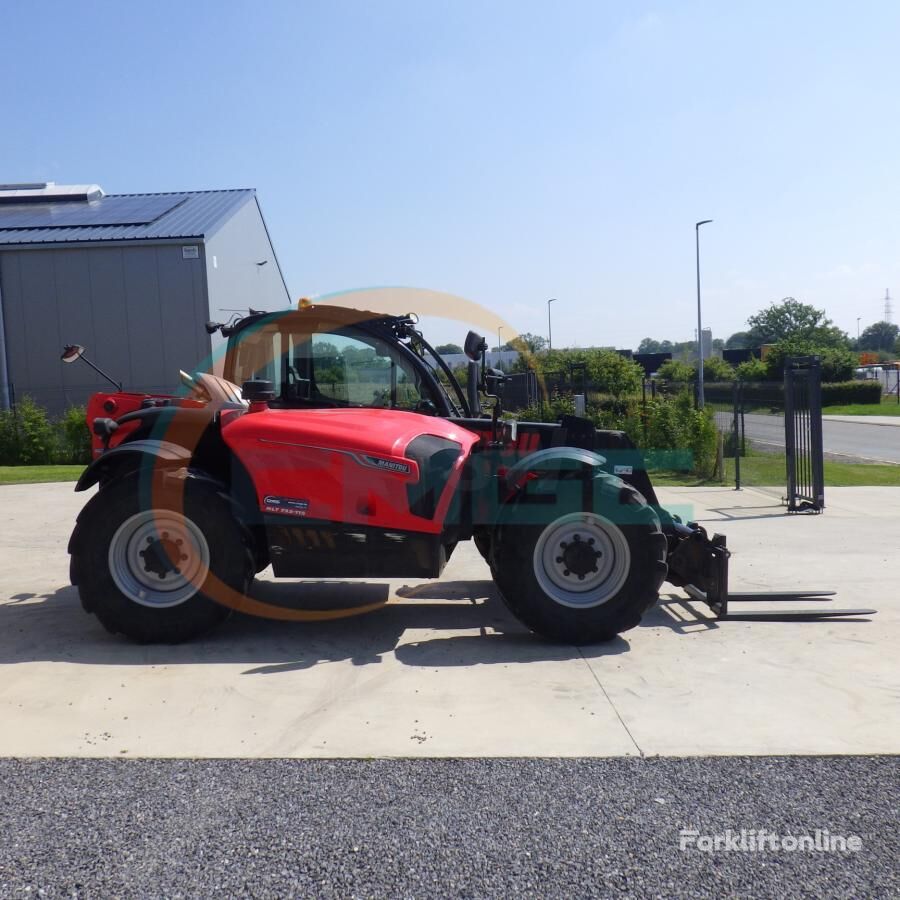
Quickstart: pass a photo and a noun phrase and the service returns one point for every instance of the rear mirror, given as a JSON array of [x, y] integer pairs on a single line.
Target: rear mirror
[[71, 352], [474, 346]]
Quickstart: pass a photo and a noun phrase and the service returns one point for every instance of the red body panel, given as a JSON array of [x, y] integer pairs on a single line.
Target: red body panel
[[114, 405], [341, 465]]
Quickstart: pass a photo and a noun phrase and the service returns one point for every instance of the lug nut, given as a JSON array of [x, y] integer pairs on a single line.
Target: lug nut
[[590, 542], [559, 559], [581, 577], [566, 572]]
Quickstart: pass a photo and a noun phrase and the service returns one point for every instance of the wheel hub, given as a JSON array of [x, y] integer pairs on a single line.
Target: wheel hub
[[578, 556], [581, 560], [158, 558], [163, 555]]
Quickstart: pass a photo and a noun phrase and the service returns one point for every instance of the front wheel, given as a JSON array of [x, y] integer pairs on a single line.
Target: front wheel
[[155, 565], [582, 577]]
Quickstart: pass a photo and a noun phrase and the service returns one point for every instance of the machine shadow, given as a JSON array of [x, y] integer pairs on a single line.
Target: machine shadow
[[54, 628]]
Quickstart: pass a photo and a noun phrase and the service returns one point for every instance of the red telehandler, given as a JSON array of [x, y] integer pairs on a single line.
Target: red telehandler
[[350, 449]]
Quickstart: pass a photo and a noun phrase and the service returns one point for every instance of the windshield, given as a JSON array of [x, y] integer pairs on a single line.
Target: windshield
[[311, 364]]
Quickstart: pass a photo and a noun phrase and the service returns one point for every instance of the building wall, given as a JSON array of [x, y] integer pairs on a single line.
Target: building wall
[[138, 310], [235, 280]]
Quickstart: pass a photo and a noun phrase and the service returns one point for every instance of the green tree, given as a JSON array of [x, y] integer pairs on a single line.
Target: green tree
[[648, 345], [740, 340], [838, 364], [675, 370], [445, 349], [613, 373], [528, 343], [880, 336], [716, 369], [790, 319], [752, 370]]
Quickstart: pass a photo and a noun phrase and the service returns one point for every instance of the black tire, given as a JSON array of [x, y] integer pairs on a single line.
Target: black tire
[[482, 540], [113, 527], [532, 590]]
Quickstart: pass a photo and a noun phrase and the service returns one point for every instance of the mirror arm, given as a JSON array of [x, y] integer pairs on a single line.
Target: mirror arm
[[109, 378]]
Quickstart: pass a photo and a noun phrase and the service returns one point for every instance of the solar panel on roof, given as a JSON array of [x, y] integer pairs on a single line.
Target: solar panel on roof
[[73, 214]]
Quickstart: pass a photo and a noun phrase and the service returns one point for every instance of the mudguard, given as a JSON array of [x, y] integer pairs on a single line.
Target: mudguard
[[165, 453], [560, 480], [555, 459]]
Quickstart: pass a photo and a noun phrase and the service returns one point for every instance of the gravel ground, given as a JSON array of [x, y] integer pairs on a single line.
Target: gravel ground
[[440, 828]]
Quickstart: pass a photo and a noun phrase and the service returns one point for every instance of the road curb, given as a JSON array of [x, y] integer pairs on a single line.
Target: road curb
[[860, 420]]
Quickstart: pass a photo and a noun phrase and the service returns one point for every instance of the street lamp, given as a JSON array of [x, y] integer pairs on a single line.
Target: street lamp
[[549, 329], [700, 396], [857, 331]]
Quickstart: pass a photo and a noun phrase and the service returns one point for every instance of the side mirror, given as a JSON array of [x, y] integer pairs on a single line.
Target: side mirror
[[475, 346], [258, 389], [71, 352]]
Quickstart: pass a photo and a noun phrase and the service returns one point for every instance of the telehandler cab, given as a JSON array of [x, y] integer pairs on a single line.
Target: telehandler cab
[[350, 449]]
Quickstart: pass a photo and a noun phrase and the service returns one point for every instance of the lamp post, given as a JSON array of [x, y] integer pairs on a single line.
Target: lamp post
[[549, 329], [700, 396], [857, 332], [499, 344]]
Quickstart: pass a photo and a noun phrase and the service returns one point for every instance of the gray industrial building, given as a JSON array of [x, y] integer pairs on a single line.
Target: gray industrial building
[[131, 277]]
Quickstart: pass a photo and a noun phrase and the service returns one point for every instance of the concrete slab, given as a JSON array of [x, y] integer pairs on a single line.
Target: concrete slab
[[443, 670]]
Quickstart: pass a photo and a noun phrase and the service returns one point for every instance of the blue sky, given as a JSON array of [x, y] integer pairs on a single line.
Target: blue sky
[[505, 152]]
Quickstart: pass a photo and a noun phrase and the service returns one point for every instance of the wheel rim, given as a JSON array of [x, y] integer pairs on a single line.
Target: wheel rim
[[581, 560], [158, 558]]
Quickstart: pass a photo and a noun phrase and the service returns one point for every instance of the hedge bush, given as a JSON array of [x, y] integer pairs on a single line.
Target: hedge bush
[[845, 392], [771, 393], [28, 437]]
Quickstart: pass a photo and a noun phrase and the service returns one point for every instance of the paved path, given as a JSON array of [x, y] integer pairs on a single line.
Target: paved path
[[844, 436], [444, 671]]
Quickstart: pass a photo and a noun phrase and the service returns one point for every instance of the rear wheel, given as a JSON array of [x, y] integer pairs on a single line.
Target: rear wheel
[[587, 576], [154, 570]]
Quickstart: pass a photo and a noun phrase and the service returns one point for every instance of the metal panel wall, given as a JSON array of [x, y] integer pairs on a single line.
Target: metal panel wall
[[236, 278], [139, 311]]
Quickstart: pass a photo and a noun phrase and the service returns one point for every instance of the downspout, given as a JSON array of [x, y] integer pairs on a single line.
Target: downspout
[[4, 370]]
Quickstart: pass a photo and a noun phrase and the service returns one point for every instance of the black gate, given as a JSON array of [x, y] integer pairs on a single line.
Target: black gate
[[803, 433], [520, 390]]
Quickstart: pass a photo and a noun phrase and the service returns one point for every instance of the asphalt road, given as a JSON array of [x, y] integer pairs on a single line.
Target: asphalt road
[[442, 828], [875, 443]]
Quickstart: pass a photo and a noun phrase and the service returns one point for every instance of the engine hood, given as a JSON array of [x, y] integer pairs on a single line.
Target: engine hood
[[383, 432]]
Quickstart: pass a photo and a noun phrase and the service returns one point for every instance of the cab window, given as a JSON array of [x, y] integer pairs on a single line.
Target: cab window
[[353, 371]]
